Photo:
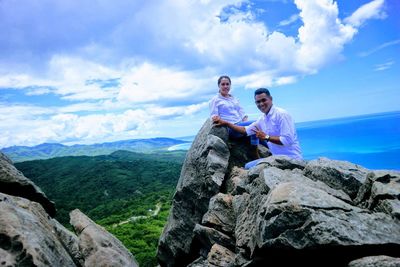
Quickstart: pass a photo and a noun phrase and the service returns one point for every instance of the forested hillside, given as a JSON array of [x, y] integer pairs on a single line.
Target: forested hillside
[[52, 150], [128, 193]]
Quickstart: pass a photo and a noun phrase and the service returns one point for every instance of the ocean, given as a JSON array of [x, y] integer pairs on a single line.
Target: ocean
[[372, 141]]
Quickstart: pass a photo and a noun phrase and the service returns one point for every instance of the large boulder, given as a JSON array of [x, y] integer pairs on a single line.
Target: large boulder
[[27, 236], [201, 177], [13, 182], [314, 213], [98, 247]]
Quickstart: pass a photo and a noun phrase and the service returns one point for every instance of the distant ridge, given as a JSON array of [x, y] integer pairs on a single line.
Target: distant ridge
[[51, 150]]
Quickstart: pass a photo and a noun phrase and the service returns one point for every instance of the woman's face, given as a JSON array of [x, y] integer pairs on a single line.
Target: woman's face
[[224, 87]]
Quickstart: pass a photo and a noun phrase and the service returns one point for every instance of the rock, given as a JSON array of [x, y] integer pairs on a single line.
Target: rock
[[13, 182], [201, 177], [210, 236], [99, 247], [381, 192], [273, 177], [27, 236], [220, 256], [376, 261], [220, 214], [318, 213], [341, 175], [236, 184], [70, 242]]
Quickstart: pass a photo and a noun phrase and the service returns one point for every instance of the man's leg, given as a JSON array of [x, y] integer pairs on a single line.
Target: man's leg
[[251, 164]]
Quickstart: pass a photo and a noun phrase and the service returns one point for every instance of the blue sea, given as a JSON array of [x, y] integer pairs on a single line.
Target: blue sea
[[372, 141]]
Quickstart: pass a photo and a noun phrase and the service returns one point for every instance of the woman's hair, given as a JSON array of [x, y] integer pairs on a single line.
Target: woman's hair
[[224, 77]]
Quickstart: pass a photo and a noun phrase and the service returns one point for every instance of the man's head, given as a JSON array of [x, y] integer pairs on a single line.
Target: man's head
[[263, 99]]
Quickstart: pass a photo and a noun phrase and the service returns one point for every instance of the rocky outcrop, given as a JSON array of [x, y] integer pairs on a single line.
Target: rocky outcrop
[[13, 182], [29, 236], [98, 247], [314, 213]]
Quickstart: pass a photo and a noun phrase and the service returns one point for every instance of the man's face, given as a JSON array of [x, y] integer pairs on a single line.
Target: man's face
[[263, 102]]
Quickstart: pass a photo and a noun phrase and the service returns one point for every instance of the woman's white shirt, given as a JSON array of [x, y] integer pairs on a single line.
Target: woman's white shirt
[[227, 108]]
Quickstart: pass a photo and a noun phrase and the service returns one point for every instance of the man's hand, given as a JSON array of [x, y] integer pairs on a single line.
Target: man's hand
[[260, 134]]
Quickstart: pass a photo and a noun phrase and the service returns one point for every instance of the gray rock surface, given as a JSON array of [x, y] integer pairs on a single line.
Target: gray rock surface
[[29, 236], [98, 247], [13, 182], [317, 213], [376, 261], [201, 178]]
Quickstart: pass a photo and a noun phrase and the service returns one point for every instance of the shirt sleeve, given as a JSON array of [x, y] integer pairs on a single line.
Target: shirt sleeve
[[287, 130], [241, 112], [213, 107], [251, 129]]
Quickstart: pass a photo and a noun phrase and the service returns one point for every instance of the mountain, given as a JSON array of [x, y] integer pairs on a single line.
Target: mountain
[[51, 150]]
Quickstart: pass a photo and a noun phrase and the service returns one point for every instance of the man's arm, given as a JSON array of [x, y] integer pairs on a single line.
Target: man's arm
[[220, 122]]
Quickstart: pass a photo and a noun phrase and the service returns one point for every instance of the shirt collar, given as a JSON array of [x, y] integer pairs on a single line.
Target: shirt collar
[[271, 111], [223, 97]]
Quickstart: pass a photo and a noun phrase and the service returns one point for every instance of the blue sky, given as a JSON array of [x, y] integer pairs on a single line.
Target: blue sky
[[95, 71]]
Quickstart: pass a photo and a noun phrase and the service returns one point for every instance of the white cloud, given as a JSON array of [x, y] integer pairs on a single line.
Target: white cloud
[[322, 36], [163, 66], [380, 47], [293, 18], [384, 66], [373, 9], [23, 125], [148, 83]]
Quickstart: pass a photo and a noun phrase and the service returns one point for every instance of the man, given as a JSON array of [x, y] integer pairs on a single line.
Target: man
[[275, 127]]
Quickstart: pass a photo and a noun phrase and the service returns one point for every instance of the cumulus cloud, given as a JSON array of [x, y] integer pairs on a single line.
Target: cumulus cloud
[[148, 83], [133, 65], [52, 125]]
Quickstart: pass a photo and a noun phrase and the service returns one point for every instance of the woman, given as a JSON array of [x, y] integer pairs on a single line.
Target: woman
[[227, 107], [224, 105]]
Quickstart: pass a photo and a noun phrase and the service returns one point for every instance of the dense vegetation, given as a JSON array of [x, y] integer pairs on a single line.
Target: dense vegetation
[[127, 193]]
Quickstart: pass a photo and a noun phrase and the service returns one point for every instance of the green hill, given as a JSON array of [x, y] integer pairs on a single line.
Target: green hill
[[128, 193], [51, 150]]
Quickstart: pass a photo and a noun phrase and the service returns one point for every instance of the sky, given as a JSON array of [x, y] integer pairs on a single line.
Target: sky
[[83, 72]]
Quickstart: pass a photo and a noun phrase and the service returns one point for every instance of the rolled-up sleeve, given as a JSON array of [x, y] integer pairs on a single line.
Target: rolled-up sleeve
[[251, 129], [287, 130]]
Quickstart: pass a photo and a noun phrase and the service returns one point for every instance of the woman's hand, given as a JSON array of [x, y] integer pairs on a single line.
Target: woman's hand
[[220, 122], [215, 118]]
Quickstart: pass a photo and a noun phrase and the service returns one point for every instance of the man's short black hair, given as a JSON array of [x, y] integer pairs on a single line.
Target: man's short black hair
[[260, 91]]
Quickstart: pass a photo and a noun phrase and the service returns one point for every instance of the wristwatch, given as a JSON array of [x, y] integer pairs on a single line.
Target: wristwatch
[[267, 137]]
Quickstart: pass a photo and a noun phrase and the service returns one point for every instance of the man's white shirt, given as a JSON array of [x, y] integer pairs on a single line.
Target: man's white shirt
[[278, 122]]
